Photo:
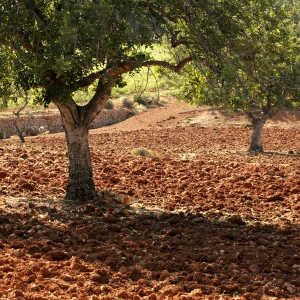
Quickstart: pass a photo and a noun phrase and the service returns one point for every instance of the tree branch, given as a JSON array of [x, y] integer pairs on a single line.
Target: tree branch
[[17, 114], [88, 80], [110, 77], [126, 67]]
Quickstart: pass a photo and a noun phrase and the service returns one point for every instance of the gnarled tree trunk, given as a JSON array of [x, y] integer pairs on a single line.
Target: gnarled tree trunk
[[257, 126], [81, 184], [76, 124]]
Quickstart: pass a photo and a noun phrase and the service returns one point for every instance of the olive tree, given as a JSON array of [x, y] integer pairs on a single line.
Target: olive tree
[[258, 74], [63, 46]]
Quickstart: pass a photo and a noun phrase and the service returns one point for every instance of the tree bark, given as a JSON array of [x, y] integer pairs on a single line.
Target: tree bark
[[257, 126], [17, 114], [76, 124], [268, 112], [81, 184]]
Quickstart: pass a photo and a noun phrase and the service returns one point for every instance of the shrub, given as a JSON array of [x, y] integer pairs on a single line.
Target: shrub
[[141, 151], [109, 104], [246, 125], [142, 100], [127, 103]]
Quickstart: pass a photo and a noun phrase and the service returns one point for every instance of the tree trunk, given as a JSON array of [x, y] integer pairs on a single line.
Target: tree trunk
[[17, 114], [76, 124], [81, 184], [257, 126], [19, 133]]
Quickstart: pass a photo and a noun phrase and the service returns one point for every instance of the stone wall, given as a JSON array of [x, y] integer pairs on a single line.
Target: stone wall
[[52, 121]]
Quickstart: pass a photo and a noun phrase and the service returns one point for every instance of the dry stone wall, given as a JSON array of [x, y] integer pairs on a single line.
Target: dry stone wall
[[52, 121]]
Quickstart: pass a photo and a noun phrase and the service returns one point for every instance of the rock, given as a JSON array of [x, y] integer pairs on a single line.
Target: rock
[[3, 174], [114, 179], [17, 244], [290, 287], [27, 186], [173, 232], [124, 199], [275, 197], [236, 219], [296, 266], [111, 219], [42, 130], [31, 131], [253, 269], [58, 255], [175, 219], [263, 242]]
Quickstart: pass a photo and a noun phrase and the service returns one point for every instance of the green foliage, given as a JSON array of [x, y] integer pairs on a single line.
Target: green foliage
[[262, 69], [109, 105], [142, 100], [126, 102], [58, 46], [5, 79], [167, 78], [57, 43]]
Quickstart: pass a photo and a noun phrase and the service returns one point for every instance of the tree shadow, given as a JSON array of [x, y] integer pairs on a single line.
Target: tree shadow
[[147, 249], [266, 153]]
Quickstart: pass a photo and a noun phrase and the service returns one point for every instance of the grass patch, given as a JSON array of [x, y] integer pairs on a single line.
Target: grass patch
[[140, 103], [145, 100], [137, 109], [127, 103], [247, 125], [188, 156], [141, 151]]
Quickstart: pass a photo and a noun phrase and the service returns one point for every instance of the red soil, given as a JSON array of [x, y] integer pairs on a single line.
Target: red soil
[[201, 219]]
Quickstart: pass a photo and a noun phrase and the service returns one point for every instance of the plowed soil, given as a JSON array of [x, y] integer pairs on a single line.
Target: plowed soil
[[200, 219]]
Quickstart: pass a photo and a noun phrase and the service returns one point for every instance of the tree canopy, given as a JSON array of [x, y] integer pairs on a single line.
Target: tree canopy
[[62, 46], [260, 70], [264, 65]]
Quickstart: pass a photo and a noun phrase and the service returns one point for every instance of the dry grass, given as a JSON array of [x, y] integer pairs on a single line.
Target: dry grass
[[141, 151]]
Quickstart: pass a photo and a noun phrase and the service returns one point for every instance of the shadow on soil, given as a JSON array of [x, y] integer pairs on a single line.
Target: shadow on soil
[[216, 253]]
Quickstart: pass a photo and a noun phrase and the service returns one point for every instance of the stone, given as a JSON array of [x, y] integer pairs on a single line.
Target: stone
[[31, 131]]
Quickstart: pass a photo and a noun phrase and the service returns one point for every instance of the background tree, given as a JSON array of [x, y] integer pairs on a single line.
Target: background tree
[[63, 46], [260, 71]]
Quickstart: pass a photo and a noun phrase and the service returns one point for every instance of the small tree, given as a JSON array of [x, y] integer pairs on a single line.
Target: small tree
[[17, 114], [262, 73]]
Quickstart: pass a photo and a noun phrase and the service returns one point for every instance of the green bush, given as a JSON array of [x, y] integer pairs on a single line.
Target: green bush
[[142, 100], [141, 151], [145, 100], [109, 105], [128, 103]]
